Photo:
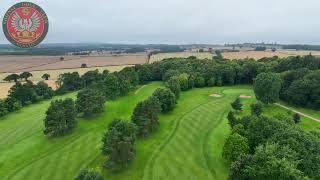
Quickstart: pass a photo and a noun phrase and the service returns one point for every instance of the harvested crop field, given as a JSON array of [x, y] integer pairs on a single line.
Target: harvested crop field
[[54, 74], [262, 54], [38, 63], [161, 56]]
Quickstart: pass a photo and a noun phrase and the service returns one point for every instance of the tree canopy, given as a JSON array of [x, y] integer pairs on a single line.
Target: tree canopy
[[145, 116], [90, 101], [267, 87], [60, 117], [118, 143], [166, 98]]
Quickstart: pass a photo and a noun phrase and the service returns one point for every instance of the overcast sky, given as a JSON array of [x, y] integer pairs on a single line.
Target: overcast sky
[[179, 21]]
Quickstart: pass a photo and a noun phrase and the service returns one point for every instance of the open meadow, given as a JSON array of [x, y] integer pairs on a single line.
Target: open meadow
[[188, 142]]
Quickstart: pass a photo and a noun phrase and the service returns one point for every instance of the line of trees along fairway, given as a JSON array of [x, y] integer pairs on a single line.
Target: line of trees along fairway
[[95, 88], [24, 94], [270, 148]]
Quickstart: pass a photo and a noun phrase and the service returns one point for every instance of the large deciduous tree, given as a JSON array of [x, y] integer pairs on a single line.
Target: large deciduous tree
[[174, 85], [145, 116], [235, 146], [60, 117], [118, 143], [166, 98], [112, 87], [91, 77], [12, 77], [267, 87], [25, 93], [25, 75], [70, 81], [43, 90], [90, 101]]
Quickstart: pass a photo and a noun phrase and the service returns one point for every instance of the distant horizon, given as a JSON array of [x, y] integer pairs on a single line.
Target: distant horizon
[[182, 44]]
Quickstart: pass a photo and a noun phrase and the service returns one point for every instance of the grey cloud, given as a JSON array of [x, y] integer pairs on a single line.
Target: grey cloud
[[179, 21]]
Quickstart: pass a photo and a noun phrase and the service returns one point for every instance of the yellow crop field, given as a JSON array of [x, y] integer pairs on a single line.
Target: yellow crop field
[[161, 56], [262, 54]]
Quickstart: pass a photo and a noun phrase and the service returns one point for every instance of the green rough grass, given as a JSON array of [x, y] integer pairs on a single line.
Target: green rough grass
[[187, 144], [25, 153]]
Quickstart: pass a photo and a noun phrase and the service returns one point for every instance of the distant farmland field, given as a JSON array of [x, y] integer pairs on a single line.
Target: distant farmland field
[[161, 56], [261, 54], [54, 74], [38, 63]]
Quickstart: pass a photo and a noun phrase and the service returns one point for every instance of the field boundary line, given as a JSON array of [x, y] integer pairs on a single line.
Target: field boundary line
[[298, 112]]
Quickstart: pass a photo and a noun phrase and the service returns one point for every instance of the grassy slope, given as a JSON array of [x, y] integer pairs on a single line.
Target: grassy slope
[[25, 153], [188, 141]]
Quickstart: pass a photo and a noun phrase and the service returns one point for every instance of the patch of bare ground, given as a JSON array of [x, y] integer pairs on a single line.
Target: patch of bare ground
[[243, 96], [215, 95]]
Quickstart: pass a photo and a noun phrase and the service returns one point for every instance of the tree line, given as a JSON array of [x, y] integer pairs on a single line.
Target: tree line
[[119, 139]]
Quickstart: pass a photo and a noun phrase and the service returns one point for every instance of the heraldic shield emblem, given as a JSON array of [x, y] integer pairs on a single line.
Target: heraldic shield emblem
[[25, 24]]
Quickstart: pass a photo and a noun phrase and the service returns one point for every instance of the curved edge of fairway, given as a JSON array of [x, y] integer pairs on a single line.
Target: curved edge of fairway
[[207, 146], [147, 174]]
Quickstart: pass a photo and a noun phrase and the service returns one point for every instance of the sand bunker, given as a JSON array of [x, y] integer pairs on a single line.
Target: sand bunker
[[245, 96], [215, 95]]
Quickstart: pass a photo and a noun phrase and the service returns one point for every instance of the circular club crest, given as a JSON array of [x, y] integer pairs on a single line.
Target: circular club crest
[[25, 24]]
